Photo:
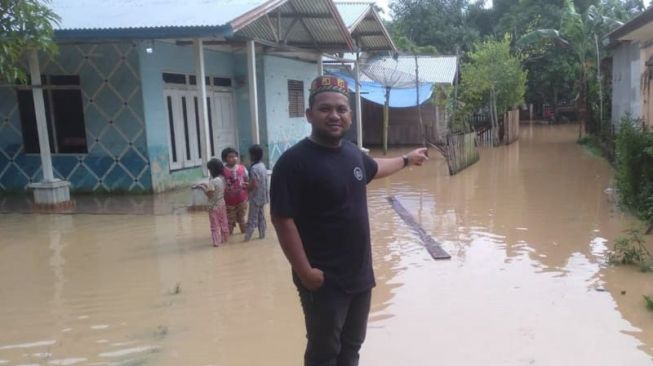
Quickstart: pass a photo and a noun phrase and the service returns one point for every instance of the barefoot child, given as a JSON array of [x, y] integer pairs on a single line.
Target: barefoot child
[[258, 193], [217, 208], [235, 194]]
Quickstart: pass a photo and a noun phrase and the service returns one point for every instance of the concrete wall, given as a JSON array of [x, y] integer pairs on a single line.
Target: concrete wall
[[646, 55], [626, 74], [113, 113], [243, 102], [167, 57], [283, 131]]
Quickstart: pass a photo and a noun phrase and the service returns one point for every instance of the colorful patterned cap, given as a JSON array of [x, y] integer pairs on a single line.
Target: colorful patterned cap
[[329, 84]]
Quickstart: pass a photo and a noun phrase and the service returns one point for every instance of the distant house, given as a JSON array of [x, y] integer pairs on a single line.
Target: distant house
[[632, 69], [124, 109]]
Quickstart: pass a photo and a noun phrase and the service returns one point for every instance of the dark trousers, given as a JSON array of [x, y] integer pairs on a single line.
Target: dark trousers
[[336, 323]]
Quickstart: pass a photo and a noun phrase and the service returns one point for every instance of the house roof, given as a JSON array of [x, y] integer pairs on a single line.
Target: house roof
[[432, 69], [365, 26], [311, 24], [640, 28]]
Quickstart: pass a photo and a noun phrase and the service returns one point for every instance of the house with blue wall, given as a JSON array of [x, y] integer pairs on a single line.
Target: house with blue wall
[[124, 103]]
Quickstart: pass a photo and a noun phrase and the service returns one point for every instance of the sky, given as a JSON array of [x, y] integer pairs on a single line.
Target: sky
[[384, 5]]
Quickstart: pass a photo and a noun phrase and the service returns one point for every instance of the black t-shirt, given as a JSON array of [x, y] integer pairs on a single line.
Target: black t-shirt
[[324, 191]]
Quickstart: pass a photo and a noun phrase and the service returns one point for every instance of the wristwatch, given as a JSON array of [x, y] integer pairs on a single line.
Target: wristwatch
[[405, 157]]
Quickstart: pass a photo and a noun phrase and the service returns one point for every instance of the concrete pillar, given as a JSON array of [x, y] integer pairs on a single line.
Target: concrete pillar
[[51, 194], [359, 117], [41, 122], [200, 72], [253, 91], [320, 65]]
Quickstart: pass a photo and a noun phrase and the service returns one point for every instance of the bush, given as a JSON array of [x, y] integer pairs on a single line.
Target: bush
[[634, 163], [631, 249]]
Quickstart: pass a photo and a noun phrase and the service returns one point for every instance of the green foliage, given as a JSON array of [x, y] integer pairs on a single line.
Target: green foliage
[[404, 44], [444, 24], [592, 144], [24, 25], [634, 163], [492, 69], [557, 39], [631, 250], [649, 302]]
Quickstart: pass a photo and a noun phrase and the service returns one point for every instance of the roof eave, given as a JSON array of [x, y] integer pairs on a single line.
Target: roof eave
[[63, 35], [360, 18], [344, 31], [385, 31], [252, 15], [632, 25], [386, 35]]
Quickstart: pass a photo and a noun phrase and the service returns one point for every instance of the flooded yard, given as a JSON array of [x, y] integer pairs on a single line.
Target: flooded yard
[[135, 281]]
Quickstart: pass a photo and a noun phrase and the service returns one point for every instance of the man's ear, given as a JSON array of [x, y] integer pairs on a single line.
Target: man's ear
[[308, 115]]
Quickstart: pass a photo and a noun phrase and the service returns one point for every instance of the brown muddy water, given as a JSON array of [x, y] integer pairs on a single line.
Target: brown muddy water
[[528, 228]]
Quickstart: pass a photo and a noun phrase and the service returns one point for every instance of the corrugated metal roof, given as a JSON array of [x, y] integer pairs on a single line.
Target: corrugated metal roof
[[365, 25], [302, 23], [352, 11], [432, 69], [315, 23], [125, 14]]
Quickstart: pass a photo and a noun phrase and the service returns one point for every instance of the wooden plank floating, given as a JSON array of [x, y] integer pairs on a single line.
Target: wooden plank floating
[[432, 246]]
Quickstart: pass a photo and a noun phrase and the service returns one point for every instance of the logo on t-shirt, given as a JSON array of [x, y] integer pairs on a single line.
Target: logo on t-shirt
[[358, 173]]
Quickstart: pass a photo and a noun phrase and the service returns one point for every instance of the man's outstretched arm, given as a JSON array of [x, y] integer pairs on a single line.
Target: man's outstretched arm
[[389, 166]]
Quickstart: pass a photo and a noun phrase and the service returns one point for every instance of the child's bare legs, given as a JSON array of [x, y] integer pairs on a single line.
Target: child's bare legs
[[241, 211], [236, 214], [231, 218]]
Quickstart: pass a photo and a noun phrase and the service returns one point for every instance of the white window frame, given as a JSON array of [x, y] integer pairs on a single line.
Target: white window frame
[[178, 91]]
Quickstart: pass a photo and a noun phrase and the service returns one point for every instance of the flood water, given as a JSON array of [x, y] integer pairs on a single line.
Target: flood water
[[527, 227]]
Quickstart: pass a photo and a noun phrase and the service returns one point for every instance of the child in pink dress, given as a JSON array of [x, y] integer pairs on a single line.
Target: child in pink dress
[[235, 194], [214, 190]]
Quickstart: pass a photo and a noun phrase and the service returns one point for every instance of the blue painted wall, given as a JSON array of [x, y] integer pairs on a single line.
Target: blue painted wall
[[126, 118], [283, 131], [167, 57], [243, 102], [115, 131]]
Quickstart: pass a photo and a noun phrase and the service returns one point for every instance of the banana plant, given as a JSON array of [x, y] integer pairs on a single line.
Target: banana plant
[[581, 34]]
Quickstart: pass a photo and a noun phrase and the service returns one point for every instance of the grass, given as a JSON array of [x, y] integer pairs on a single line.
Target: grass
[[591, 144]]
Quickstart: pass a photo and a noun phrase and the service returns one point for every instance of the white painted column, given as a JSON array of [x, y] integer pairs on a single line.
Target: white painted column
[[200, 73], [41, 122], [320, 65], [359, 117], [253, 91]]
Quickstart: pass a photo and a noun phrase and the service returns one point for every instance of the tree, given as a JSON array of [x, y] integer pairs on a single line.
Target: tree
[[493, 77], [25, 25], [443, 24], [581, 34]]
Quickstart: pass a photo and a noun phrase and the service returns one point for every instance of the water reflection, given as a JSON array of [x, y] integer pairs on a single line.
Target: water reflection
[[528, 228]]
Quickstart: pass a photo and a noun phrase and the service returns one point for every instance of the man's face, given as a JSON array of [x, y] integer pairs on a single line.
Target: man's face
[[330, 116]]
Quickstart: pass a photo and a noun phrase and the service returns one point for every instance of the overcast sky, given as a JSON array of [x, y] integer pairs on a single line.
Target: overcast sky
[[384, 5]]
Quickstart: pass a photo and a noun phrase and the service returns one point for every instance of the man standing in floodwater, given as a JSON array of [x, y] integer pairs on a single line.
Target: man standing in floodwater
[[319, 210]]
